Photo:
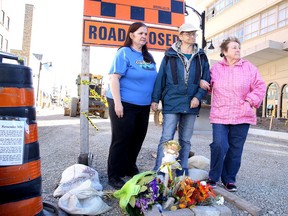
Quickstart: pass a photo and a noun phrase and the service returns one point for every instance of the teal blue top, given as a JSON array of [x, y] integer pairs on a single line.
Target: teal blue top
[[137, 76]]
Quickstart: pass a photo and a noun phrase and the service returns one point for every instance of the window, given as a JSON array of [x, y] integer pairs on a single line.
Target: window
[[218, 7], [6, 45], [283, 15], [272, 92], [239, 32], [2, 17], [284, 102], [1, 42], [251, 27], [259, 24], [7, 23], [218, 40], [268, 21]]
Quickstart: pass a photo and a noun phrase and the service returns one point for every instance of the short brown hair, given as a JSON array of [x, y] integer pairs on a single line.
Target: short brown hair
[[224, 44]]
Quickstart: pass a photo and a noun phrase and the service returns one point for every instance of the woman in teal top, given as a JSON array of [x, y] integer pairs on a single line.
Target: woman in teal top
[[132, 78]]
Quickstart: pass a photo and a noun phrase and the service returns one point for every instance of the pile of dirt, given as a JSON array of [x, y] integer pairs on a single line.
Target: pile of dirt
[[280, 125]]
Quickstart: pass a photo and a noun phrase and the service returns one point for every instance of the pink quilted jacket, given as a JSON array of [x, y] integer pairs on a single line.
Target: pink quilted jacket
[[232, 88]]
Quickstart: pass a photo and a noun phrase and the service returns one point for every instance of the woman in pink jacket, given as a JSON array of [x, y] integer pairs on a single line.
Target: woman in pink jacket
[[237, 88]]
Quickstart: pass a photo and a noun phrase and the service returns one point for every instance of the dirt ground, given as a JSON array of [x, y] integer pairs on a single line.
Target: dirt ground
[[280, 125]]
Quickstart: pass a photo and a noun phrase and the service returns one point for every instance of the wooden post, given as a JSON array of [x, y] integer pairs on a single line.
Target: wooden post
[[271, 119], [84, 108]]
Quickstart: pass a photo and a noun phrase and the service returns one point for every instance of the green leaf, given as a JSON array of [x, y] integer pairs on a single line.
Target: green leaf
[[143, 188], [132, 201], [146, 180]]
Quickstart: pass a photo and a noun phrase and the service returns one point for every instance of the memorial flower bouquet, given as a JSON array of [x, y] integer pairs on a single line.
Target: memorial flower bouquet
[[192, 193], [139, 193], [144, 190], [147, 189]]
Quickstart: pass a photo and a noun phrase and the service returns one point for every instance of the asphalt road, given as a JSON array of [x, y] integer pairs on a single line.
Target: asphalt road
[[262, 179]]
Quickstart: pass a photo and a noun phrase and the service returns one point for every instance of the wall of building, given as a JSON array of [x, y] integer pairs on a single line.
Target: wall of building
[[27, 33], [239, 12], [274, 70], [4, 32]]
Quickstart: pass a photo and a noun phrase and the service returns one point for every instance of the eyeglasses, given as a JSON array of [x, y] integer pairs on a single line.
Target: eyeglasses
[[190, 34]]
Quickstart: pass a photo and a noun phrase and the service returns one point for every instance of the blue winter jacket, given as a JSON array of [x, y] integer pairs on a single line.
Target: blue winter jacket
[[176, 95]]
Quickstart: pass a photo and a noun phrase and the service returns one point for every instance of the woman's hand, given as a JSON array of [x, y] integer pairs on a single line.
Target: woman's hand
[[119, 110], [194, 103], [204, 85], [154, 106]]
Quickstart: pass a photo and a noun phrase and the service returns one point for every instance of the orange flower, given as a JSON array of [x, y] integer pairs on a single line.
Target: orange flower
[[186, 191], [193, 193]]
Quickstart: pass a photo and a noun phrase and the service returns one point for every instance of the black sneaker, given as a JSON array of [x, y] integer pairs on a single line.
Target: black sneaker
[[211, 183], [231, 187], [116, 182]]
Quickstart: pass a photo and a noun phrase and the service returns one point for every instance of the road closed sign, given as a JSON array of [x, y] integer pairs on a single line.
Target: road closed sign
[[98, 33]]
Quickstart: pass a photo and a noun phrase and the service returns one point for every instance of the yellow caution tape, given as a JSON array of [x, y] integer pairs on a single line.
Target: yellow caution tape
[[94, 93], [85, 82], [168, 165], [97, 96], [89, 119]]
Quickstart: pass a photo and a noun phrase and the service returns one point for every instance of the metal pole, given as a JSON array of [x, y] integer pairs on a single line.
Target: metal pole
[[204, 43], [38, 84], [84, 107], [202, 24]]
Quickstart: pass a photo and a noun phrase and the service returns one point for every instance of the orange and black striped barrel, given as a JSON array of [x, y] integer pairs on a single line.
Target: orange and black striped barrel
[[20, 185]]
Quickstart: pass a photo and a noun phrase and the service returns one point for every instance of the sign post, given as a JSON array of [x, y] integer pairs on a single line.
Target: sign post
[[84, 107]]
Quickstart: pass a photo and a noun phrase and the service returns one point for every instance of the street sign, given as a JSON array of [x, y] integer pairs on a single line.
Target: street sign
[[160, 12], [98, 33]]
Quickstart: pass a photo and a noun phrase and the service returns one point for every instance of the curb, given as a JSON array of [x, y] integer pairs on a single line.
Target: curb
[[239, 202], [197, 211], [268, 133]]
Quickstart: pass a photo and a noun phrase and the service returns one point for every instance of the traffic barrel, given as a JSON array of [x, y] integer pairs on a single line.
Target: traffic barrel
[[20, 164]]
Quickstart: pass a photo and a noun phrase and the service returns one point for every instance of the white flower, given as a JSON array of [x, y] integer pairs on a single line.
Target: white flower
[[220, 200], [203, 183]]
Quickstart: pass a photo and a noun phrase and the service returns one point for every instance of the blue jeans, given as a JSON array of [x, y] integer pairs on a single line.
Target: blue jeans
[[185, 124], [226, 151]]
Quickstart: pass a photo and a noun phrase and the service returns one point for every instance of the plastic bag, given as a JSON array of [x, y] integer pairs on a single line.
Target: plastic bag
[[198, 174], [74, 176], [83, 199]]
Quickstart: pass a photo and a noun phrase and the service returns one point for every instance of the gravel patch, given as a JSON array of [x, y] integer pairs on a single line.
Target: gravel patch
[[261, 179]]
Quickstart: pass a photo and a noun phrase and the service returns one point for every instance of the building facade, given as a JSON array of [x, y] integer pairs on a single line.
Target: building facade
[[4, 26], [262, 28]]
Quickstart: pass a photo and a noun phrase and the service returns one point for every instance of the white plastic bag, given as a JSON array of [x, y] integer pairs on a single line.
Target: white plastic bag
[[84, 200], [74, 176], [198, 174]]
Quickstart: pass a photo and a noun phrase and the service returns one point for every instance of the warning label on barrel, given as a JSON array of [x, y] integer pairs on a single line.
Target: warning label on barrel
[[11, 142]]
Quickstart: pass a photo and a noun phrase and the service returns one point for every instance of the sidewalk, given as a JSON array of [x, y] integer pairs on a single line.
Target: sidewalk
[[268, 133], [252, 131]]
